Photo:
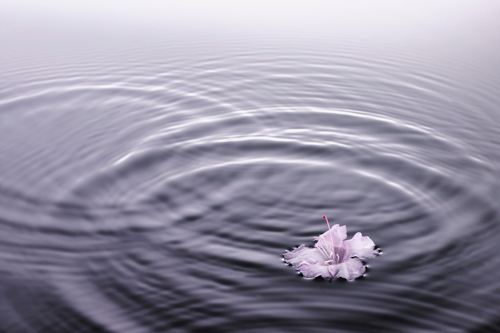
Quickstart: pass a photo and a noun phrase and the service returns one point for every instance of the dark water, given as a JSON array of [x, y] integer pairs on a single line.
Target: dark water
[[151, 181]]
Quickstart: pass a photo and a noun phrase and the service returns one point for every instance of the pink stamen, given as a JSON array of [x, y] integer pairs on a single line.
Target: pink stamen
[[331, 237]]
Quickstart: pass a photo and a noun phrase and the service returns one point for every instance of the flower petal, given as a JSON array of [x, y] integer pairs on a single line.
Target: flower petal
[[337, 234], [359, 246], [304, 254], [311, 271], [349, 269]]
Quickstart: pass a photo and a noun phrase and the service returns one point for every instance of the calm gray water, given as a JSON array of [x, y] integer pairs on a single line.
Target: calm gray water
[[151, 179]]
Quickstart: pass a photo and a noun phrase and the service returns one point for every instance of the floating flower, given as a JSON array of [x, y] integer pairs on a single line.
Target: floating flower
[[332, 257]]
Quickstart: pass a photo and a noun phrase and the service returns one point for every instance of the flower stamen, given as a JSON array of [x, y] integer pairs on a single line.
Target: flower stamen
[[328, 224]]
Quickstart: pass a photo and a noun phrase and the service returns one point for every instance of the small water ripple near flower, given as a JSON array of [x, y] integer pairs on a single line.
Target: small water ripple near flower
[[332, 256]]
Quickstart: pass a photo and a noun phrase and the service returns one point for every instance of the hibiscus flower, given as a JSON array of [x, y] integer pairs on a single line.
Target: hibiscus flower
[[332, 257]]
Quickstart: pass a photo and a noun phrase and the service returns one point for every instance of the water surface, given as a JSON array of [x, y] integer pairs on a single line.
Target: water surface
[[151, 180]]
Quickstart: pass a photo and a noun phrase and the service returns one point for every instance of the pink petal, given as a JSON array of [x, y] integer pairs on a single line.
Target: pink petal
[[349, 269], [311, 271], [303, 254], [361, 247], [337, 234]]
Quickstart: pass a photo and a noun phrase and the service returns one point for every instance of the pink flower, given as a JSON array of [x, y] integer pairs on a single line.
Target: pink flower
[[332, 257]]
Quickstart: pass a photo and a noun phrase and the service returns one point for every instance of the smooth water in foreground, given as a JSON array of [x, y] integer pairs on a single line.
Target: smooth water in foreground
[[151, 181]]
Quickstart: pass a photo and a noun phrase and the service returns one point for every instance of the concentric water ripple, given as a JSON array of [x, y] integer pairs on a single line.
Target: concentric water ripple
[[160, 193]]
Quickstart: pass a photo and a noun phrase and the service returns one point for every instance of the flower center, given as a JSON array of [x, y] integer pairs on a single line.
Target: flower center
[[335, 260]]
